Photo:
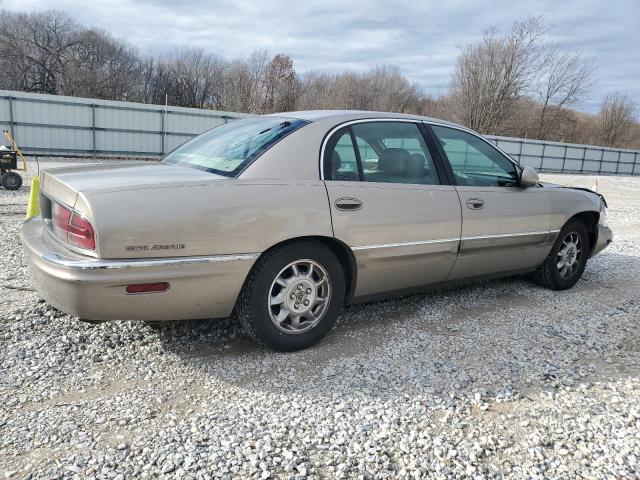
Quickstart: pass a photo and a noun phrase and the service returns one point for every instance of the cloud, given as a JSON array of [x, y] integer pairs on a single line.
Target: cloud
[[421, 38]]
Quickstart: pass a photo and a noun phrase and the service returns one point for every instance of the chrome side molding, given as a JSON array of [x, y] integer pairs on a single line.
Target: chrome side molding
[[448, 240], [405, 244], [74, 264]]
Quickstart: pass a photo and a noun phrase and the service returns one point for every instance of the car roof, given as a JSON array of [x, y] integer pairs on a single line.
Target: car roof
[[347, 115]]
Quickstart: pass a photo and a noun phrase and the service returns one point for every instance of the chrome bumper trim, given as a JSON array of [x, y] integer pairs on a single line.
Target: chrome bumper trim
[[65, 262]]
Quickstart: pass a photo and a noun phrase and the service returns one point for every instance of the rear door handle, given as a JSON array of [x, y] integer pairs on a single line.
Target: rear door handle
[[348, 203], [475, 203]]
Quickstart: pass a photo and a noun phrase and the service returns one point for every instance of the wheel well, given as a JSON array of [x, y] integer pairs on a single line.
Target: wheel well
[[341, 250], [590, 221]]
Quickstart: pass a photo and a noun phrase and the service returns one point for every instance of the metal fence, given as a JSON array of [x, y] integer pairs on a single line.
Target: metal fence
[[547, 156], [56, 125]]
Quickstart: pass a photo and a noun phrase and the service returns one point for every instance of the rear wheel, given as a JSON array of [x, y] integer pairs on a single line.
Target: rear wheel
[[11, 181], [568, 258], [293, 296]]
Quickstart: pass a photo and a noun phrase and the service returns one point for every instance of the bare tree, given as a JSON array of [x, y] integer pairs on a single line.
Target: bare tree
[[103, 67], [280, 85], [616, 119], [35, 50], [564, 78], [391, 91], [244, 81], [383, 88], [317, 91], [491, 76], [198, 79]]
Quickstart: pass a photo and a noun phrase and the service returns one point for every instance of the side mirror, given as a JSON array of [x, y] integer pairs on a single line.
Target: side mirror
[[529, 177]]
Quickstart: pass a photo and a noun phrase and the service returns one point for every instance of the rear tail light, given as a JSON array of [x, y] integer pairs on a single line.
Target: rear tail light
[[72, 228]]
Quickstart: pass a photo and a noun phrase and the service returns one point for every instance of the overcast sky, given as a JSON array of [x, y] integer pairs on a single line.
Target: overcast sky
[[421, 37]]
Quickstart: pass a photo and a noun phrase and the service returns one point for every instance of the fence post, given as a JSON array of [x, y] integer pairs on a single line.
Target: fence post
[[162, 133], [564, 159], [601, 161], [635, 163], [584, 156], [544, 147], [11, 116], [93, 127], [618, 162], [520, 151]]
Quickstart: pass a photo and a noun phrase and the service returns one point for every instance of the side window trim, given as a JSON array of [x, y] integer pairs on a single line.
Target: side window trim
[[354, 143]]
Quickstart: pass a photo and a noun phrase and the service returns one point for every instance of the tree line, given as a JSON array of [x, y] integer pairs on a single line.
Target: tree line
[[515, 84]]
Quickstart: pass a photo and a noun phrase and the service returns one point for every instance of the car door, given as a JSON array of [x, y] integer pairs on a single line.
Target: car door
[[505, 227], [389, 204]]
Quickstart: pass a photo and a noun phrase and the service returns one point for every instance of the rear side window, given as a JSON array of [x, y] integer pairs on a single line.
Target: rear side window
[[386, 151], [341, 157]]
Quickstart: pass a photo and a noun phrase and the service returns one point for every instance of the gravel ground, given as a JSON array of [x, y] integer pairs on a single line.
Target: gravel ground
[[502, 379]]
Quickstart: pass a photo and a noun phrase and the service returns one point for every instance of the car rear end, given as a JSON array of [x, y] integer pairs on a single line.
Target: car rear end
[[63, 253]]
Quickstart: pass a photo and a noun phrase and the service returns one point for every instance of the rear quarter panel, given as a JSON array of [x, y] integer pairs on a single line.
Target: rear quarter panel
[[217, 217]]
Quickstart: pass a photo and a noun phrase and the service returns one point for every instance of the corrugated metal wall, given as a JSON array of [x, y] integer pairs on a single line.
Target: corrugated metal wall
[[570, 157], [56, 125]]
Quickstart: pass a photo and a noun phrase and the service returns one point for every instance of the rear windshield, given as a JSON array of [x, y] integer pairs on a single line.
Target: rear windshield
[[229, 149]]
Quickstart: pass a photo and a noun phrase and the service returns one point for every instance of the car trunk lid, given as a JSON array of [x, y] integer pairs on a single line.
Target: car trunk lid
[[65, 183]]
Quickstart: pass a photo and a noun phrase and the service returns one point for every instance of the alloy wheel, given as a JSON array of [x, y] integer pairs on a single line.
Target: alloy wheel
[[569, 254], [299, 296]]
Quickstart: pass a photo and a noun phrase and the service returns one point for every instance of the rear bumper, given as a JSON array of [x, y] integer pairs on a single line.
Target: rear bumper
[[95, 289], [605, 237]]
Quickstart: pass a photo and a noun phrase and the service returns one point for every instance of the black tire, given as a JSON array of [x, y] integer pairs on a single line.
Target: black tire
[[549, 274], [255, 312], [11, 181]]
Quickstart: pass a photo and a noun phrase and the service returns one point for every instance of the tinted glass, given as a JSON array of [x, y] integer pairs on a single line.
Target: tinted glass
[[341, 157], [394, 152], [475, 162], [228, 149]]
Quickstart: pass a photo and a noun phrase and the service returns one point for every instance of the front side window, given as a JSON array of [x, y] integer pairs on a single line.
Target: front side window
[[474, 162], [228, 149], [385, 151]]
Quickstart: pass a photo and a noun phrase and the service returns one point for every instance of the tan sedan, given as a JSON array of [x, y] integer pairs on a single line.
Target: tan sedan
[[284, 219]]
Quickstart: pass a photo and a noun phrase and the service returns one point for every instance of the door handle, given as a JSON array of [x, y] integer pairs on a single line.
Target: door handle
[[475, 203], [348, 203]]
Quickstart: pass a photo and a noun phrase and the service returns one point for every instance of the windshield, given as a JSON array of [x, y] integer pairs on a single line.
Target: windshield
[[230, 148]]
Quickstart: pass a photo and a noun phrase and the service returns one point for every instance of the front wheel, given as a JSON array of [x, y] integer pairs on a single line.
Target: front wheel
[[568, 258], [292, 296]]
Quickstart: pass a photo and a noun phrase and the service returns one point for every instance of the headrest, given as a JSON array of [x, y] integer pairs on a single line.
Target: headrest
[[415, 166], [393, 161]]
